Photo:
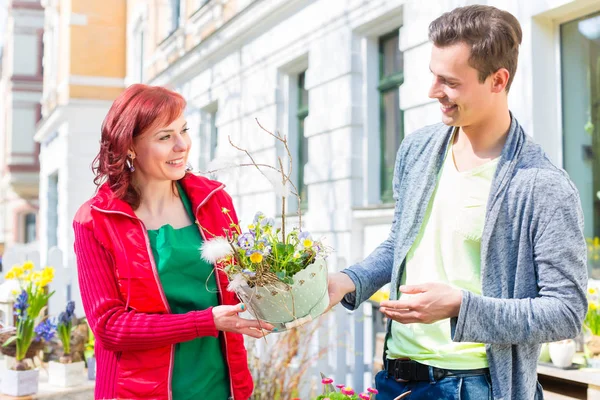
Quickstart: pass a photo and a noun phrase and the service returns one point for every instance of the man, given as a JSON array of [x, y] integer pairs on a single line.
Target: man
[[486, 254]]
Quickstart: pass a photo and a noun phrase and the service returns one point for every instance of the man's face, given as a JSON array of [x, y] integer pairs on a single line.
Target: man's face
[[464, 101]]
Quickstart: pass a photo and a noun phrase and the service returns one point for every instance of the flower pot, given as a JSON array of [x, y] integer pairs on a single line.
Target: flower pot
[[91, 364], [561, 353], [20, 383], [8, 362], [289, 306], [65, 375]]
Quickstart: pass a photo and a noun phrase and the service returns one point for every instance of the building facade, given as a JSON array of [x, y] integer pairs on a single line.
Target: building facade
[[20, 95], [84, 70], [345, 82]]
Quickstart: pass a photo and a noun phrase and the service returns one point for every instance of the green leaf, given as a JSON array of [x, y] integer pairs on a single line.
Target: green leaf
[[9, 340]]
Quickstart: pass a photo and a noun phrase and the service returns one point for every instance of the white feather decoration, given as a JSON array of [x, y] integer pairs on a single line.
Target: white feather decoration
[[275, 179], [215, 249], [236, 283]]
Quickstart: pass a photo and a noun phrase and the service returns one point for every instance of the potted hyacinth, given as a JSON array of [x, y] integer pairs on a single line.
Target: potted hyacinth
[[343, 392], [22, 378], [280, 274], [66, 372]]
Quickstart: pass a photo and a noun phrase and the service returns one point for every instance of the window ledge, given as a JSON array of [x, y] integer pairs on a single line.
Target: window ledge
[[376, 214]]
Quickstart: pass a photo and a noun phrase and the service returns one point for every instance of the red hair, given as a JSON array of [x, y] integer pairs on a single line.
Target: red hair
[[139, 109]]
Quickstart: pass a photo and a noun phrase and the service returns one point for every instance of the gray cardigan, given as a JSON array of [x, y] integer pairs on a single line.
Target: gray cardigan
[[533, 255]]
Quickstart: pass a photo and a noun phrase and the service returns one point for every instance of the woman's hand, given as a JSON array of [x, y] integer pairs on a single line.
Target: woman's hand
[[227, 320]]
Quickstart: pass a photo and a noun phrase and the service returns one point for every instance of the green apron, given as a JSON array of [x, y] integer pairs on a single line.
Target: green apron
[[199, 371]]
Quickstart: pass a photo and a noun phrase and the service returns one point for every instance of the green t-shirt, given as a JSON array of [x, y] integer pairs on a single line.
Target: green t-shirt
[[189, 284], [447, 250]]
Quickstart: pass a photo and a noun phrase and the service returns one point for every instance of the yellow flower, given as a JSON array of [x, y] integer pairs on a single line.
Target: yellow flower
[[10, 275], [46, 276], [28, 266], [35, 277], [592, 290], [18, 271], [597, 241], [593, 306], [256, 257], [251, 226], [307, 243]]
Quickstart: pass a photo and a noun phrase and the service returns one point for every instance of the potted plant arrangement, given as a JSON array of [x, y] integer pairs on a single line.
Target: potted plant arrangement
[[22, 378], [280, 274], [343, 392], [592, 326], [66, 372]]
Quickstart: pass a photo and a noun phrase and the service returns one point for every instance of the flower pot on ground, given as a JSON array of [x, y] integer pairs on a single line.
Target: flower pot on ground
[[66, 372], [561, 353], [91, 368], [22, 378], [66, 375], [20, 383]]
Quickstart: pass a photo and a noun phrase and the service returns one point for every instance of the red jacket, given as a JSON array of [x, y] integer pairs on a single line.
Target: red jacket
[[125, 303]]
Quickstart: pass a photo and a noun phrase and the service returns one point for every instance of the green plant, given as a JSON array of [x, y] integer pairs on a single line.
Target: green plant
[[263, 252], [64, 327], [90, 344], [344, 392], [593, 256]]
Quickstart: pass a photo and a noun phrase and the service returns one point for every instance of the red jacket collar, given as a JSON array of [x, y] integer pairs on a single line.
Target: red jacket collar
[[198, 189]]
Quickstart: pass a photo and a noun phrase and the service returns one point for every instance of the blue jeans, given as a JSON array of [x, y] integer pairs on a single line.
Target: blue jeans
[[456, 387]]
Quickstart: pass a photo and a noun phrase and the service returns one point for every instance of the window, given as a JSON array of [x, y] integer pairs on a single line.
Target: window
[[580, 53], [138, 59], [209, 135], [213, 134], [391, 77], [30, 228], [52, 216], [302, 140], [174, 20]]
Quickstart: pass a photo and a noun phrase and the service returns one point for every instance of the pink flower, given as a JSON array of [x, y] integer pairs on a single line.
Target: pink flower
[[327, 381], [372, 390], [339, 386], [364, 396], [348, 391]]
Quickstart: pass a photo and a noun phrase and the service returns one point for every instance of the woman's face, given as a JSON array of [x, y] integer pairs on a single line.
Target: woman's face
[[161, 154]]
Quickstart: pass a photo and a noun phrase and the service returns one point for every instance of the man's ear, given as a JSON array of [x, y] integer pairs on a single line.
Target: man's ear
[[500, 80]]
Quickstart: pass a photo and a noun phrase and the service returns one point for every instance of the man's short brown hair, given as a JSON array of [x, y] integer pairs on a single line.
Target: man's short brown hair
[[493, 35]]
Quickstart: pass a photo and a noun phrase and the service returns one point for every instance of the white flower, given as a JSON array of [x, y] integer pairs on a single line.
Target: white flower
[[221, 168], [236, 283], [215, 249], [275, 178]]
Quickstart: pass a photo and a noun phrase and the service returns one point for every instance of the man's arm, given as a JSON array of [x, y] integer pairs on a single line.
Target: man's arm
[[558, 312], [372, 273]]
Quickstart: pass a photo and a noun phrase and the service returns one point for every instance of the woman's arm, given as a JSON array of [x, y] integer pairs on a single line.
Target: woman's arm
[[117, 328]]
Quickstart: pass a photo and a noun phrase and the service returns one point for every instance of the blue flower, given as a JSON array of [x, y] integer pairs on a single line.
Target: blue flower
[[21, 305], [267, 222], [45, 330], [70, 308], [246, 241], [249, 273], [258, 217]]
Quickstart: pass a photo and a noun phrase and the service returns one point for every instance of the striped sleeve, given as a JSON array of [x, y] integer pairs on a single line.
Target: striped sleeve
[[116, 327]]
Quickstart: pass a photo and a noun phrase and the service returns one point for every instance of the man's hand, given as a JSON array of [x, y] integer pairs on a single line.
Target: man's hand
[[339, 285], [427, 303]]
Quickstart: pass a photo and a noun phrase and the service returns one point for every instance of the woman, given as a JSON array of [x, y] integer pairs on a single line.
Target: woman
[[166, 327]]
